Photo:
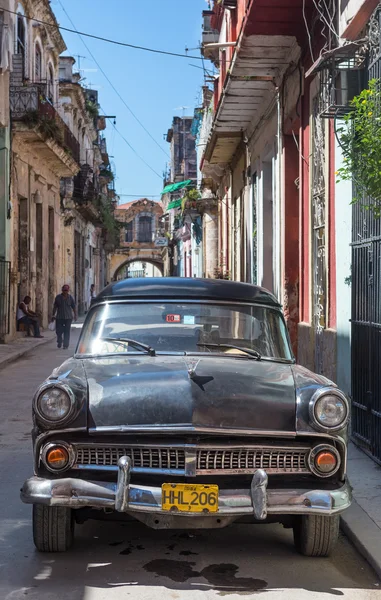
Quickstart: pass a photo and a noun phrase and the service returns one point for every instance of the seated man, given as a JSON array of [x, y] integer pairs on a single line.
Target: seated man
[[28, 317]]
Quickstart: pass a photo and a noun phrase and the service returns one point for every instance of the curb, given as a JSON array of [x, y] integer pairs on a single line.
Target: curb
[[364, 534], [16, 354]]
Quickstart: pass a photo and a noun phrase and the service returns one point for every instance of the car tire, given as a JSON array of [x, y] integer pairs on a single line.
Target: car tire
[[53, 528], [315, 535]]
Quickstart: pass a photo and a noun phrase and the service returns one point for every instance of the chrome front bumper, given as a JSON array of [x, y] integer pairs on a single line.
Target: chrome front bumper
[[142, 501]]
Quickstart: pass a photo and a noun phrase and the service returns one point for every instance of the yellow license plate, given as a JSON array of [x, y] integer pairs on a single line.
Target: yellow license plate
[[189, 498]]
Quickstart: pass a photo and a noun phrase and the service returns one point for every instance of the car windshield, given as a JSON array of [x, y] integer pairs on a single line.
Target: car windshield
[[192, 328]]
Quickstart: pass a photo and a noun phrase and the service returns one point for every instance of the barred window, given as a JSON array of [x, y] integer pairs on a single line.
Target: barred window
[[37, 63], [145, 229]]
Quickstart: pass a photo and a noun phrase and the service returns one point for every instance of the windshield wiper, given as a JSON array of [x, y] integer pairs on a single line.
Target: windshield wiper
[[138, 345], [248, 351]]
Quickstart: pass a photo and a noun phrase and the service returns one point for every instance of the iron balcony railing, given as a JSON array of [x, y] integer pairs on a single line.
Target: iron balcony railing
[[30, 102]]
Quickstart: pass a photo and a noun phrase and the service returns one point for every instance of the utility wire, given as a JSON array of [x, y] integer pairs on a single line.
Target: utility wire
[[107, 40], [112, 85], [134, 151]]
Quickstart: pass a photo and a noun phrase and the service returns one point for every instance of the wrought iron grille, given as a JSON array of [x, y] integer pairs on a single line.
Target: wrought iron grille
[[5, 290], [318, 232], [366, 300]]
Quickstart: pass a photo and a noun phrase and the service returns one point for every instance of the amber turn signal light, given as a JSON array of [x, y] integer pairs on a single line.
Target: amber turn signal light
[[325, 461], [57, 457]]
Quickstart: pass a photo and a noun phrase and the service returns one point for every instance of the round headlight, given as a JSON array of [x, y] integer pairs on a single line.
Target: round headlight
[[329, 409], [54, 404]]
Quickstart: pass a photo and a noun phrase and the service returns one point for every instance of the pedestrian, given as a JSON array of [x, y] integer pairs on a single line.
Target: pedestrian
[[92, 294], [26, 316], [63, 311]]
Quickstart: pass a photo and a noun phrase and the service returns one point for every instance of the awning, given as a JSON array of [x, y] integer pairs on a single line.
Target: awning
[[175, 203], [341, 54], [174, 187]]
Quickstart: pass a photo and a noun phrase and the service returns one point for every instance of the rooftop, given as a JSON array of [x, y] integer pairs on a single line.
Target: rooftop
[[187, 289]]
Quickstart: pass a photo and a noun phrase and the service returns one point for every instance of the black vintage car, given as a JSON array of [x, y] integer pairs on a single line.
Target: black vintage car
[[183, 408]]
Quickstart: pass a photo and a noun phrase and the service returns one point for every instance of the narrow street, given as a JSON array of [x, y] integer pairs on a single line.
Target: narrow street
[[123, 561]]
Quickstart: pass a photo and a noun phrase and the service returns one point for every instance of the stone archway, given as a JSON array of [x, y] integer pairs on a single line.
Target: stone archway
[[119, 261], [159, 265]]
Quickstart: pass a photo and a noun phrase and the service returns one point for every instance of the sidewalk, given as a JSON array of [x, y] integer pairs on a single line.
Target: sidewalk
[[22, 345], [361, 523]]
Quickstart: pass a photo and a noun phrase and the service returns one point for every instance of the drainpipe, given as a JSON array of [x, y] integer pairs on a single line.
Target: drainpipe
[[279, 203], [230, 240], [249, 216]]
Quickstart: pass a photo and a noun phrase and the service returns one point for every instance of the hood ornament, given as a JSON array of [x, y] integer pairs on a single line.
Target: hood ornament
[[191, 365]]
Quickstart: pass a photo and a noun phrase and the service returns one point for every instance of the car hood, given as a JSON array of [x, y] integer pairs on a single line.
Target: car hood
[[210, 392]]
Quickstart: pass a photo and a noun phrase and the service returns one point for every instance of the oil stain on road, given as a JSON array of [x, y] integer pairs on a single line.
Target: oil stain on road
[[222, 577]]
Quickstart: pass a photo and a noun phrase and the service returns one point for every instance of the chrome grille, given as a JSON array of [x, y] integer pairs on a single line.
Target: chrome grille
[[272, 460], [141, 458], [208, 460]]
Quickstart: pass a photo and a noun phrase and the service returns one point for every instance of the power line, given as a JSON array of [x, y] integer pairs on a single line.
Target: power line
[[107, 40], [134, 151], [112, 85]]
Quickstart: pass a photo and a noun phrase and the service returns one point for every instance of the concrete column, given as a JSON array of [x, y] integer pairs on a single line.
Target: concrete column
[[210, 227]]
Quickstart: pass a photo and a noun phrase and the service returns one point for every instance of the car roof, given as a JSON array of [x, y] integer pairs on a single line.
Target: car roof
[[184, 288]]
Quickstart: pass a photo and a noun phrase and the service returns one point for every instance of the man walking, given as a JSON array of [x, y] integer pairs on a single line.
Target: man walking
[[63, 312]]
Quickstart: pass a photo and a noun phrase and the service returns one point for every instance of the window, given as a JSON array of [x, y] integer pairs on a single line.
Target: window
[[145, 229], [129, 233], [186, 327], [50, 84], [37, 63], [21, 35], [21, 39], [2, 33]]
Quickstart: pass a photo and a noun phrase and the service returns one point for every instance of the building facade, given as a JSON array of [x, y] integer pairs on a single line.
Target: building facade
[[5, 152], [89, 194], [270, 155], [137, 253], [44, 150], [181, 221], [49, 130]]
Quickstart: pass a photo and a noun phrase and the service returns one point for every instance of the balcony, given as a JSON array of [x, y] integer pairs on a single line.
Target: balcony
[[36, 122], [103, 150]]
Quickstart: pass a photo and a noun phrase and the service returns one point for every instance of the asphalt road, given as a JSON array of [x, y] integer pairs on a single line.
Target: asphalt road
[[118, 562]]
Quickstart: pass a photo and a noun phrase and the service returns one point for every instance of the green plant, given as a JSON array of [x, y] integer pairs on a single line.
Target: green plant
[[31, 118], [92, 109], [47, 126], [360, 140], [190, 198], [106, 173], [109, 222]]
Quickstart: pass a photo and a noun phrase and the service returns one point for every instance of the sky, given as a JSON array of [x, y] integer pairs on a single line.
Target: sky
[[155, 87]]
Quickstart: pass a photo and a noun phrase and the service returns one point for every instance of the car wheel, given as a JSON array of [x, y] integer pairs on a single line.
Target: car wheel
[[315, 535], [53, 528]]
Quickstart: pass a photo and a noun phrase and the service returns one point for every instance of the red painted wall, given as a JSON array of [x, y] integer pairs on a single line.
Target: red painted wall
[[304, 203], [291, 239]]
